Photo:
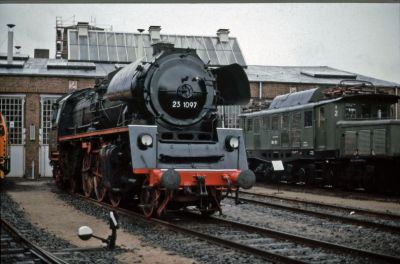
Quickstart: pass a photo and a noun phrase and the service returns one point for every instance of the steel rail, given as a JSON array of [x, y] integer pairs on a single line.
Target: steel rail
[[243, 248], [388, 216], [329, 216], [248, 249], [39, 252], [318, 243]]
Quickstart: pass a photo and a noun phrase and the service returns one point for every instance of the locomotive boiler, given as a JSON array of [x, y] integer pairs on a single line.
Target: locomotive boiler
[[346, 136], [148, 133]]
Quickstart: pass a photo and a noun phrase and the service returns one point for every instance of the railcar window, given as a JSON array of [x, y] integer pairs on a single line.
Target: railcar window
[[350, 111], [266, 123], [1, 131], [367, 111], [307, 118], [256, 125], [275, 122], [285, 121], [296, 120], [321, 117], [249, 126], [284, 139]]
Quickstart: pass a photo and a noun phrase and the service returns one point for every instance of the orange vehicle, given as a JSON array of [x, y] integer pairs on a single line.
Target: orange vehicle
[[4, 149]]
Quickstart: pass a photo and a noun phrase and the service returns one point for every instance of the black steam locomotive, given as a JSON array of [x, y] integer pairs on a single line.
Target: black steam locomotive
[[149, 132]]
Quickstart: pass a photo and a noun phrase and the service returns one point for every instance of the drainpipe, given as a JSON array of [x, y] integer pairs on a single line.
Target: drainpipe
[[33, 169]]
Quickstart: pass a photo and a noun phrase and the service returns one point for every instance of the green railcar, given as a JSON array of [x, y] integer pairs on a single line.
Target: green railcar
[[342, 136]]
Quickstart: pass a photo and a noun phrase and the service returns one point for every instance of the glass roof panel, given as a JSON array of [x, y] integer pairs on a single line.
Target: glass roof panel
[[102, 38], [93, 38], [120, 39], [83, 51], [130, 41], [121, 53], [93, 52], [73, 52], [110, 39], [103, 53], [73, 37], [123, 47]]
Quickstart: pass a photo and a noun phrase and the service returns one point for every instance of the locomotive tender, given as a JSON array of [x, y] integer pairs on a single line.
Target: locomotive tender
[[344, 136], [149, 132]]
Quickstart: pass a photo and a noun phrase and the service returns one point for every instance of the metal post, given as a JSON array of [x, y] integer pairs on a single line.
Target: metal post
[[10, 43]]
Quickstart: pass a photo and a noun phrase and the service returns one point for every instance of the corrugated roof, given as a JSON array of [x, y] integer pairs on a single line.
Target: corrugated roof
[[293, 74], [279, 74], [38, 67], [123, 47]]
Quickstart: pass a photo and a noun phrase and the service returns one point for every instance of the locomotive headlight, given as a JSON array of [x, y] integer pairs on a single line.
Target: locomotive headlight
[[145, 140], [232, 143]]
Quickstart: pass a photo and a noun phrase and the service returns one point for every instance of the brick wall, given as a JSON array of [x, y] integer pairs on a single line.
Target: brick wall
[[271, 90], [33, 87], [41, 85]]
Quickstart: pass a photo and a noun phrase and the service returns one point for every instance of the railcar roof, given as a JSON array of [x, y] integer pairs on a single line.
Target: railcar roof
[[292, 99], [58, 68], [289, 108]]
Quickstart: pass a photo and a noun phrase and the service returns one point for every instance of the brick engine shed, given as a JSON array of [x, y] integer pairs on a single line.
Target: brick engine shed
[[29, 86]]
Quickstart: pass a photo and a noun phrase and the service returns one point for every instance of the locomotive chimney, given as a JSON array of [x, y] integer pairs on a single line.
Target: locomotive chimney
[[10, 43], [154, 32], [223, 34]]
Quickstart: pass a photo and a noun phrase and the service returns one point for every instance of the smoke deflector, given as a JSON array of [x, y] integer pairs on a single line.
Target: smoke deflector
[[233, 85]]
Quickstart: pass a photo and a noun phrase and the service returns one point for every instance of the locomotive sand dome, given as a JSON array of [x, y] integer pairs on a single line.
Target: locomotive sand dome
[[150, 130]]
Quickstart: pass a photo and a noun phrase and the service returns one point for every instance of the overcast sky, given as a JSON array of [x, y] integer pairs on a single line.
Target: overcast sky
[[361, 38]]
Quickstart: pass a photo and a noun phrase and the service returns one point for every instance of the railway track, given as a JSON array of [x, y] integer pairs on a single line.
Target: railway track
[[356, 216], [267, 244], [15, 248]]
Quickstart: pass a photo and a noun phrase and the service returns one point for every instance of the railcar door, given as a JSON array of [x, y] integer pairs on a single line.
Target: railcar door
[[12, 107], [46, 102], [320, 128]]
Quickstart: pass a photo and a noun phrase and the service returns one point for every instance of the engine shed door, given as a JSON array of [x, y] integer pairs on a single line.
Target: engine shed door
[[12, 107], [320, 128], [46, 102]]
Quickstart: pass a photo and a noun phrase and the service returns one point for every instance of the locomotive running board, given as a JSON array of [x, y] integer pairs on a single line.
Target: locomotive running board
[[95, 133]]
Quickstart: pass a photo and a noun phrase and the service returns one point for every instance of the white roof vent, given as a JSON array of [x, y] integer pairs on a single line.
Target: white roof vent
[[83, 28], [154, 32], [223, 34]]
